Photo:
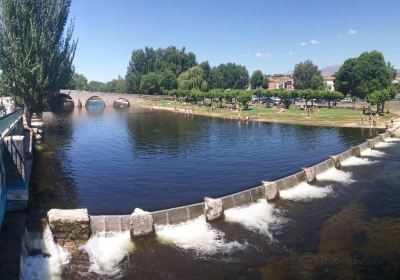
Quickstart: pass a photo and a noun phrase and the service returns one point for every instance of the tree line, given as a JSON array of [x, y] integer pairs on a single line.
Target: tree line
[[221, 98], [37, 53]]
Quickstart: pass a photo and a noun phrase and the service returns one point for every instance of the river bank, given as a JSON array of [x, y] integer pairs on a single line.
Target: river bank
[[259, 113]]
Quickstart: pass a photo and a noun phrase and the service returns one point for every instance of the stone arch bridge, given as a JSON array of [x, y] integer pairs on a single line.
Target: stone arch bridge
[[79, 96]]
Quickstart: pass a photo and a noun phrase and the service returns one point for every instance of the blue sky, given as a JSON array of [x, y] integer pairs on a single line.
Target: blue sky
[[268, 35]]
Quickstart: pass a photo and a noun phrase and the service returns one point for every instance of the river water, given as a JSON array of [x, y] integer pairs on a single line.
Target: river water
[[344, 227], [112, 161]]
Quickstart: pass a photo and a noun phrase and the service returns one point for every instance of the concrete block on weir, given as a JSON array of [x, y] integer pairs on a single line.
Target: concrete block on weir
[[213, 209], [371, 144], [257, 193], [242, 198], [178, 215], [271, 191], [160, 217], [196, 210], [227, 202], [71, 224], [357, 151], [336, 162], [310, 175], [97, 224], [141, 224]]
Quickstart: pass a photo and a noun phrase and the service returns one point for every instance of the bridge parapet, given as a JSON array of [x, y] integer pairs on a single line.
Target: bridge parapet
[[109, 98]]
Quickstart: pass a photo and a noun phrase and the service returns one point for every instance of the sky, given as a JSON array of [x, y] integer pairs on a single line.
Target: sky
[[271, 36]]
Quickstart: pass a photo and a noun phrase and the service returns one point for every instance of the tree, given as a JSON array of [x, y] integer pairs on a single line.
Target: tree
[[36, 52], [78, 82], [317, 82], [346, 78], [157, 60], [244, 98], [206, 71], [229, 76], [258, 80], [191, 79], [150, 83], [168, 80], [304, 74], [379, 97], [97, 86], [365, 74]]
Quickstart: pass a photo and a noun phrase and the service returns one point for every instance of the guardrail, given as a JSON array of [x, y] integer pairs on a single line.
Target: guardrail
[[7, 121]]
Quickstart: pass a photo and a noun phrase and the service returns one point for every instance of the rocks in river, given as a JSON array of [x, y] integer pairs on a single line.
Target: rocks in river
[[356, 152], [271, 191], [141, 223], [69, 224], [336, 161], [310, 175], [213, 209]]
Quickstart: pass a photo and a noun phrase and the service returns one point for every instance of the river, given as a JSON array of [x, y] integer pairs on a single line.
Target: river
[[343, 227]]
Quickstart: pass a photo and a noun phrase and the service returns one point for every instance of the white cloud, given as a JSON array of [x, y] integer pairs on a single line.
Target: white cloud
[[303, 43], [352, 31], [260, 55], [245, 54], [290, 53], [314, 42]]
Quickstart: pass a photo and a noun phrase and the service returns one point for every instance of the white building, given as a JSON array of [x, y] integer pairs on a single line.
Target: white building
[[7, 105], [329, 83]]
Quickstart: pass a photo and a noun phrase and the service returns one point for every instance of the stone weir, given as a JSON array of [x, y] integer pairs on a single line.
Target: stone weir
[[141, 223]]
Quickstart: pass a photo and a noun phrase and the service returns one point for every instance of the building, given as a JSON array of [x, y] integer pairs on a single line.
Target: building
[[329, 82], [7, 105], [280, 83]]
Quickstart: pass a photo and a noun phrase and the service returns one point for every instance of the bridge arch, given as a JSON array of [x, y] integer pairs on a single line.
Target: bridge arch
[[121, 103], [95, 99]]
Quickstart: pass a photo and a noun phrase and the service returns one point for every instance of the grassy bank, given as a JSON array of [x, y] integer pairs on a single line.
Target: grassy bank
[[321, 117]]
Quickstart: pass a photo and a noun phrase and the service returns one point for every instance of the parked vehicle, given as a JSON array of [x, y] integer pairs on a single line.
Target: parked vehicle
[[346, 100]]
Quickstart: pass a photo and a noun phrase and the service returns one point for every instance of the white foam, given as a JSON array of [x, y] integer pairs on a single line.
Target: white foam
[[305, 191], [107, 250], [47, 265], [392, 140], [336, 175], [257, 216], [196, 235], [372, 153], [384, 144], [355, 161]]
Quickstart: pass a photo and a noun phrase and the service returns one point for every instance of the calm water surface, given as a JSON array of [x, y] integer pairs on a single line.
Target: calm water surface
[[111, 161]]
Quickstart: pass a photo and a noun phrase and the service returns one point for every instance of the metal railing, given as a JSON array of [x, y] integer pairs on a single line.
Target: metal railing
[[8, 120], [17, 158]]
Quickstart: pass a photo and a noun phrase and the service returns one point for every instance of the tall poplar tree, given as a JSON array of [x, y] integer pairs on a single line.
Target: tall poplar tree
[[36, 51]]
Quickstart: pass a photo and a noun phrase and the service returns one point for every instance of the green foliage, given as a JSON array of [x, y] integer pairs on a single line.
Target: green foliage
[[150, 60], [379, 97], [229, 76], [168, 80], [307, 76], [36, 52], [150, 83], [317, 82], [192, 79], [258, 80], [244, 98], [78, 82], [365, 74]]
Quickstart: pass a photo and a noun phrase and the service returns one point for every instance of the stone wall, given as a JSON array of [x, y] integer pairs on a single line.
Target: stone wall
[[81, 97]]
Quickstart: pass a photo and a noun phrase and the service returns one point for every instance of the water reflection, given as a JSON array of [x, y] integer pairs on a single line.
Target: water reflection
[[113, 160]]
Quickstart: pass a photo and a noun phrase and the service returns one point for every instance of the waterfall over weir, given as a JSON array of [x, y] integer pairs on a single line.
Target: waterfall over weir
[[42, 258]]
